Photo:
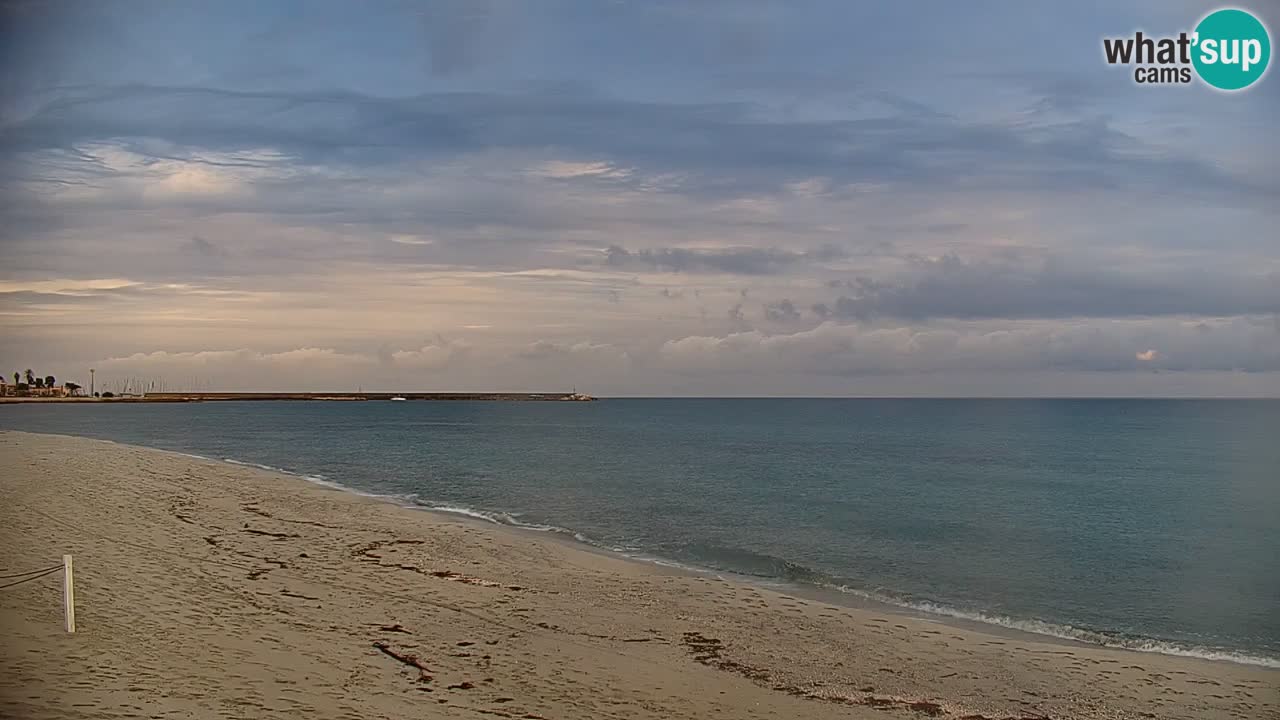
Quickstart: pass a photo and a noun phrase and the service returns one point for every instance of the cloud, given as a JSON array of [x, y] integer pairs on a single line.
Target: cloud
[[243, 368], [733, 261], [204, 248], [561, 170], [464, 34], [715, 147], [432, 356], [304, 368], [594, 352], [440, 363], [410, 240], [66, 286], [783, 311], [307, 186], [1246, 345], [192, 180], [952, 287]]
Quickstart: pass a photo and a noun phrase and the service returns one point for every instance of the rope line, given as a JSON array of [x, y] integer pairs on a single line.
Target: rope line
[[29, 572], [33, 577]]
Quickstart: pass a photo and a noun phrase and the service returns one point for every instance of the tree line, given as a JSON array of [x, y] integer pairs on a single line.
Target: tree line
[[24, 382]]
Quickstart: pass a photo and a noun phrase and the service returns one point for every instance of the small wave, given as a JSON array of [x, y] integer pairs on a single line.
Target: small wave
[[471, 513], [507, 519], [756, 565], [1070, 632], [259, 466], [776, 572], [663, 562], [323, 481]]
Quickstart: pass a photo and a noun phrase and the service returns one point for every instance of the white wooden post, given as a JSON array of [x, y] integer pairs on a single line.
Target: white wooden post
[[68, 594]]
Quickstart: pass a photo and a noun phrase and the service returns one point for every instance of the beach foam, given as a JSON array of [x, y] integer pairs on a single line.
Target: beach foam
[[1082, 635]]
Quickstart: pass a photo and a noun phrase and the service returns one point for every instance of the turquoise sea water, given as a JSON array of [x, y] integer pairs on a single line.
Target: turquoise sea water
[[1152, 524]]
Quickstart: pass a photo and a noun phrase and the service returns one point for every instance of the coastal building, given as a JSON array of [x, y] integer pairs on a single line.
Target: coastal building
[[8, 389]]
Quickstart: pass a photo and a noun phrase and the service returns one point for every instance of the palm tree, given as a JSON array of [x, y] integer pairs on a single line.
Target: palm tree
[[72, 388], [50, 381], [17, 377], [31, 377]]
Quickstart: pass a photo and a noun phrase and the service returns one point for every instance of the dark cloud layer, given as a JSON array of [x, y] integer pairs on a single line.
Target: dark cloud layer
[[274, 189], [716, 147], [950, 287]]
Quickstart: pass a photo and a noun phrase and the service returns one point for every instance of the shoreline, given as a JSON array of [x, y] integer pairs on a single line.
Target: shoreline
[[1054, 632], [842, 597], [977, 621], [196, 575]]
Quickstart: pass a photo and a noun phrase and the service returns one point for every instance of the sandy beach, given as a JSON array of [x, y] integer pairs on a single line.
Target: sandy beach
[[211, 590]]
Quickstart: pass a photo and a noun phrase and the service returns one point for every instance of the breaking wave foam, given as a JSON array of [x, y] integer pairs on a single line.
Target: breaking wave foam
[[1102, 638], [509, 520]]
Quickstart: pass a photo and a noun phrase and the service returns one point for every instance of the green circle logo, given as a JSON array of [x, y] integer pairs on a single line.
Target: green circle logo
[[1232, 49]]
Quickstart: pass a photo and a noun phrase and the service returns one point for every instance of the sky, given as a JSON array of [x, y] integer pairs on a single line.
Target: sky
[[650, 197]]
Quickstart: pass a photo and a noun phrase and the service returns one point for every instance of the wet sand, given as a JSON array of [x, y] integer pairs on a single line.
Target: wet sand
[[211, 590]]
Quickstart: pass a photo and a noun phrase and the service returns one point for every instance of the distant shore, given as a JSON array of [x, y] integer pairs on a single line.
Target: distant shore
[[206, 589], [169, 397]]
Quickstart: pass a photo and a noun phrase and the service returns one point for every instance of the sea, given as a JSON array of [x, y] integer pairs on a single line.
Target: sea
[[1145, 524]]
